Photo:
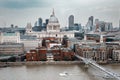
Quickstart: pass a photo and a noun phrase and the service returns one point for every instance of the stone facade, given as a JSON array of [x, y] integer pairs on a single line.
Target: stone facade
[[10, 37], [11, 49]]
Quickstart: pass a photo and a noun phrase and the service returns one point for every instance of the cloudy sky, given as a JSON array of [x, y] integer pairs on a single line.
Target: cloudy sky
[[19, 12]]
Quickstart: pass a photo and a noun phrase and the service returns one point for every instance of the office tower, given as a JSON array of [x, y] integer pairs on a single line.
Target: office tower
[[35, 23], [97, 28], [89, 24], [108, 26], [91, 19], [96, 24], [44, 26], [119, 24], [77, 27], [46, 21], [102, 26], [71, 21], [40, 22], [12, 25], [96, 21]]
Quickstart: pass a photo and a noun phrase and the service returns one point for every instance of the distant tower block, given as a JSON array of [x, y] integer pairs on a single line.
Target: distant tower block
[[101, 39], [28, 28], [71, 21], [97, 28], [40, 22], [119, 24]]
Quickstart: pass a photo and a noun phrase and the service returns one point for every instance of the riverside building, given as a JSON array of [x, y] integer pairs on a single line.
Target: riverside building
[[9, 37], [11, 48]]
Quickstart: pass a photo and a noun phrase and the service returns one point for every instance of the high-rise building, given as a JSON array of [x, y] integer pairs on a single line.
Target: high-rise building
[[108, 26], [103, 26], [40, 22], [90, 20], [97, 27], [35, 23], [77, 27], [46, 21], [119, 24], [36, 27], [12, 25], [89, 24], [71, 21], [96, 21], [44, 26]]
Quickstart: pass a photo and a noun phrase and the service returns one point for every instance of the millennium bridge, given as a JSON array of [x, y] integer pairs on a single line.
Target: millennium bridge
[[110, 74]]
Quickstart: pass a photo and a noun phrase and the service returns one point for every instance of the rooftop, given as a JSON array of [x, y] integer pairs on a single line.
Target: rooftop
[[9, 34]]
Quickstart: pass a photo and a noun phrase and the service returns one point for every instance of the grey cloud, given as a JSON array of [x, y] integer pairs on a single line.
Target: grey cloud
[[20, 4]]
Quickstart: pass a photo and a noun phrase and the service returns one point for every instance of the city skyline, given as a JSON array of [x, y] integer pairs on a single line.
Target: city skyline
[[19, 12]]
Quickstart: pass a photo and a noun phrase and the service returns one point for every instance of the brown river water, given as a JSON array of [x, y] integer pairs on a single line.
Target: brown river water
[[52, 72]]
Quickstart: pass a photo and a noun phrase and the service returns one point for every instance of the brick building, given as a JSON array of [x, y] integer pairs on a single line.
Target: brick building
[[97, 52]]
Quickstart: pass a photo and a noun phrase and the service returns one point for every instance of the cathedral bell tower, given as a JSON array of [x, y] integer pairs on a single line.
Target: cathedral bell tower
[[28, 28]]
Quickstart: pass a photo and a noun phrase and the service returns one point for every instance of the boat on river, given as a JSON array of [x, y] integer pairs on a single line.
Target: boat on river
[[64, 74]]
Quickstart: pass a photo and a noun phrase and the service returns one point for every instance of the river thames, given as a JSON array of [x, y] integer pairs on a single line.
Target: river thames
[[52, 72]]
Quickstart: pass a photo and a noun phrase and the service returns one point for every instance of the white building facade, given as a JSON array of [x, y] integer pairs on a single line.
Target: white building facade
[[9, 37]]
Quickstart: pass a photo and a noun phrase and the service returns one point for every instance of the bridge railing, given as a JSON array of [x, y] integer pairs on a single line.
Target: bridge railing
[[92, 62]]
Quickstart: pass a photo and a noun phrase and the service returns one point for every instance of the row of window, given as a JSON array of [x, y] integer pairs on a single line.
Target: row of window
[[100, 55], [53, 28], [55, 35]]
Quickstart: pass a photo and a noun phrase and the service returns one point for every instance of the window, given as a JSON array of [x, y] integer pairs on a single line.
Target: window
[[54, 27], [50, 27]]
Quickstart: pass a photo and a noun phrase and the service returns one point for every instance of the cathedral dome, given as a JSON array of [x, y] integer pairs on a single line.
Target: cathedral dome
[[53, 19]]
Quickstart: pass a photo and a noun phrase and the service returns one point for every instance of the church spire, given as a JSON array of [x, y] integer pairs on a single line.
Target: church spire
[[53, 13]]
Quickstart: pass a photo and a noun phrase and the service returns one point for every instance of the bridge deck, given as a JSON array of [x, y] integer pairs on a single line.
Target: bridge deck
[[91, 62]]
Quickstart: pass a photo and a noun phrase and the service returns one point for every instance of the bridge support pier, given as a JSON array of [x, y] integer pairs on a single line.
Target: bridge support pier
[[86, 66]]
